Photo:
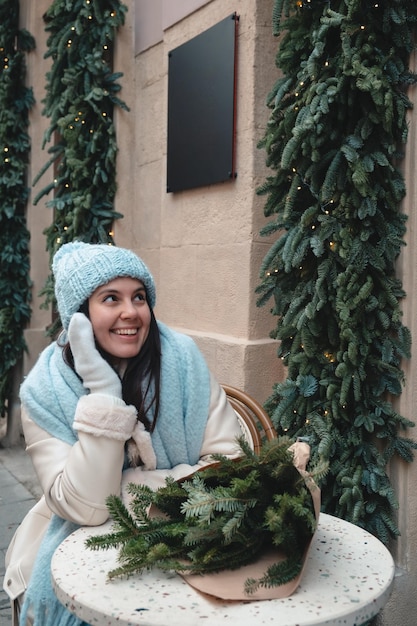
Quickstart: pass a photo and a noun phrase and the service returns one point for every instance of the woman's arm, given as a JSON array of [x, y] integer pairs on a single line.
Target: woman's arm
[[76, 479], [222, 429]]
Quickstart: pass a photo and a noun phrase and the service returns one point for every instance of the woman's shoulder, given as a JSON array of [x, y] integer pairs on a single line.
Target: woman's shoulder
[[49, 369], [169, 334], [180, 347], [43, 358]]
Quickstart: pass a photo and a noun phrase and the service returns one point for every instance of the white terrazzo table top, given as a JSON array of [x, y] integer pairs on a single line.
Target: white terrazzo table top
[[348, 579]]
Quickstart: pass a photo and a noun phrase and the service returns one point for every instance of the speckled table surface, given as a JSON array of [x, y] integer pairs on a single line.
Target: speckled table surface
[[347, 580]]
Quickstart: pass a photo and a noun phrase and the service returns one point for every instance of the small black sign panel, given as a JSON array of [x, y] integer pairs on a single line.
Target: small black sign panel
[[201, 108]]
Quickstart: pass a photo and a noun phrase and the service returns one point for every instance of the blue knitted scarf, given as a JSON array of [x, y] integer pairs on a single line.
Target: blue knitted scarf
[[50, 394]]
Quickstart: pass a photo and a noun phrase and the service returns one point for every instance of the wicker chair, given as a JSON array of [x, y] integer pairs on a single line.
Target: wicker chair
[[254, 421]]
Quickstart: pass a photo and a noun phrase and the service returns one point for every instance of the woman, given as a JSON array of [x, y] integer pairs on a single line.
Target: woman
[[118, 398]]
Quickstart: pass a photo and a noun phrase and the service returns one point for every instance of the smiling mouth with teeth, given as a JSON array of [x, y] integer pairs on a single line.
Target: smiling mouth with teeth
[[125, 331]]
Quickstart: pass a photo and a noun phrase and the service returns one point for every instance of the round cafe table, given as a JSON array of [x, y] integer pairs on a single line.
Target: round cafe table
[[347, 580]]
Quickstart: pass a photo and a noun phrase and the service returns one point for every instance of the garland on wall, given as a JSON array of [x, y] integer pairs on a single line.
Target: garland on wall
[[15, 102], [334, 139], [81, 93]]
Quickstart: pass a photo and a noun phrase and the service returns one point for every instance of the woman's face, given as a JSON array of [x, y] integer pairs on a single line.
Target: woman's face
[[120, 316]]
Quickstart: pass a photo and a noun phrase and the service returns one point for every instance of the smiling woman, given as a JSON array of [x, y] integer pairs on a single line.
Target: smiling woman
[[120, 316], [118, 397]]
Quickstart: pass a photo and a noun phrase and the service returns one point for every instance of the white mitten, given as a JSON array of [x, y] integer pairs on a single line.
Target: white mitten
[[97, 375], [301, 452]]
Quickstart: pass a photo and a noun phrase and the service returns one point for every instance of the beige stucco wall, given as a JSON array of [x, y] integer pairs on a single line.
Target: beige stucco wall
[[203, 245], [38, 217], [402, 607]]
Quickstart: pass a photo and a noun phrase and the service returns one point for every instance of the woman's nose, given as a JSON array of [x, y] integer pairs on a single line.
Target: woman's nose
[[129, 310]]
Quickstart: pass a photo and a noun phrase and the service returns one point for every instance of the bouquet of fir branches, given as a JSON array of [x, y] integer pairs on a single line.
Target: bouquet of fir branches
[[222, 517]]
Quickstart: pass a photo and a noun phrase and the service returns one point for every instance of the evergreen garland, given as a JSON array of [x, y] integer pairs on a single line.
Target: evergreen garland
[[334, 140], [222, 517], [15, 102], [81, 93]]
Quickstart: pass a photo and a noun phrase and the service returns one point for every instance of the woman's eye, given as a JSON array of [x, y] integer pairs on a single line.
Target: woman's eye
[[140, 296], [110, 298]]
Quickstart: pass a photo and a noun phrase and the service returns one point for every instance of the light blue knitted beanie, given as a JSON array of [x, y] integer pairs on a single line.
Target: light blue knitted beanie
[[79, 268]]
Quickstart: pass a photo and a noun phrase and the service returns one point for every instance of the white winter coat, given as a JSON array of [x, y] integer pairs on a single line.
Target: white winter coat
[[77, 479]]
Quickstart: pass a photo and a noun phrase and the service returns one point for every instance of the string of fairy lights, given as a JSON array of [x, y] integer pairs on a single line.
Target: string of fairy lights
[[16, 99], [81, 95]]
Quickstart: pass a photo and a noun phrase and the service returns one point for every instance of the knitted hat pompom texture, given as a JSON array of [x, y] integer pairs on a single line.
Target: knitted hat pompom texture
[[79, 268]]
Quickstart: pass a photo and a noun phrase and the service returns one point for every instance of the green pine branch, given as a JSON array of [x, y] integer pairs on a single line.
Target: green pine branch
[[336, 134], [82, 91], [15, 102]]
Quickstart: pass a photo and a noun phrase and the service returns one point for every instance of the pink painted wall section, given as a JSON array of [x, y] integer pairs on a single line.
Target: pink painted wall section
[[152, 17], [174, 11], [148, 24]]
